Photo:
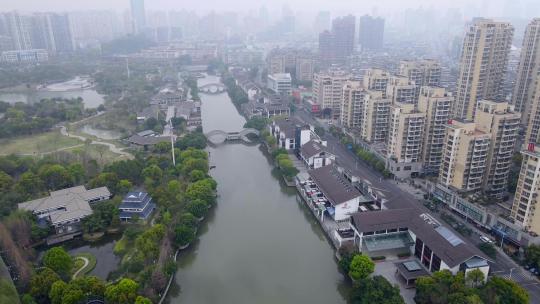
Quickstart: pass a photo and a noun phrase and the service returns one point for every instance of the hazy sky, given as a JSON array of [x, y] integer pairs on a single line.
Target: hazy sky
[[244, 5]]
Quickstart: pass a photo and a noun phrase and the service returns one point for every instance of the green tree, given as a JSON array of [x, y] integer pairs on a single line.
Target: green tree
[[488, 249], [142, 300], [475, 277], [188, 220], [6, 182], [58, 260], [29, 184], [201, 190], [198, 208], [77, 172], [193, 139], [123, 186], [256, 122], [375, 290], [500, 290], [152, 174], [196, 175], [361, 267], [183, 235], [55, 176], [190, 164], [40, 284], [105, 179], [57, 292], [532, 255], [125, 292]]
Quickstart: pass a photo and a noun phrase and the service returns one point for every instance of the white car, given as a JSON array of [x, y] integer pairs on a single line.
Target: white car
[[485, 239]]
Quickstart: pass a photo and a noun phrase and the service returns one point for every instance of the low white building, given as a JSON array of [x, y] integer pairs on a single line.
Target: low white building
[[315, 154], [25, 56], [280, 83], [435, 246], [333, 193], [290, 134]]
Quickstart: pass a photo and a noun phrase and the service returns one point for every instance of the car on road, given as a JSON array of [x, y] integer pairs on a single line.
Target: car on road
[[485, 239]]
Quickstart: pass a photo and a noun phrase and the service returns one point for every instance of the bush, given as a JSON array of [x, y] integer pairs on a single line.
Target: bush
[[403, 254], [184, 235]]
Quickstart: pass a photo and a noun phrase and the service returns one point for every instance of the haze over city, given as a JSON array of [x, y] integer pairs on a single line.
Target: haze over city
[[366, 152]]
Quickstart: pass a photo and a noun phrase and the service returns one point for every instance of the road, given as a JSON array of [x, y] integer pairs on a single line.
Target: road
[[86, 262], [397, 198], [112, 147]]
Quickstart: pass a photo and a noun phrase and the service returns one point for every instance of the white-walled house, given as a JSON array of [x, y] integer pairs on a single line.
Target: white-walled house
[[435, 246], [315, 154], [334, 193], [290, 134]]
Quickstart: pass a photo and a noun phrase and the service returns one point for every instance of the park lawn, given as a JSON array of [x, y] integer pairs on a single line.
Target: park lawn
[[106, 157], [37, 144], [78, 263]]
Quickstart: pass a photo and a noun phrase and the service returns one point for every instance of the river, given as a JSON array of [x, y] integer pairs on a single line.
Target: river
[[259, 245], [91, 98]]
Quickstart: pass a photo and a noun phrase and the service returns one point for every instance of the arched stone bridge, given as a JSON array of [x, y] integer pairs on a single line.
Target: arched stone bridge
[[212, 88], [219, 136]]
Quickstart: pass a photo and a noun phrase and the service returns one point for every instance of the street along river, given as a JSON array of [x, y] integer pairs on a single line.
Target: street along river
[[259, 245]]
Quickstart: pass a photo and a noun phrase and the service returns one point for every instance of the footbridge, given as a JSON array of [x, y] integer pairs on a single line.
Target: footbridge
[[219, 136], [212, 88]]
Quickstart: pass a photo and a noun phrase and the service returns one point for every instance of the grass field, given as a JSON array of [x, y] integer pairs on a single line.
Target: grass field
[[100, 153], [37, 144]]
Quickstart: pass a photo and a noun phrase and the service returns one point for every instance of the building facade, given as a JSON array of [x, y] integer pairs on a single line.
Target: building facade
[[328, 90], [377, 80], [528, 190], [401, 90], [280, 83], [483, 63], [371, 33], [498, 120], [528, 71], [405, 138], [436, 104]]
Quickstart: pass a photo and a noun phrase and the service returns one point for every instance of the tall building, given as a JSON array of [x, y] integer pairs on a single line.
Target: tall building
[[527, 191], [371, 33], [423, 72], [477, 155], [138, 16], [352, 107], [401, 89], [484, 58], [532, 134], [436, 104], [464, 156], [322, 22], [328, 90], [304, 68], [377, 80], [91, 26], [498, 120], [405, 137], [19, 28], [376, 117], [528, 71], [336, 45]]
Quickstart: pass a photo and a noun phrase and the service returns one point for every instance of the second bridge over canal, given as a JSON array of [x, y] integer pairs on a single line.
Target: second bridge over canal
[[220, 136]]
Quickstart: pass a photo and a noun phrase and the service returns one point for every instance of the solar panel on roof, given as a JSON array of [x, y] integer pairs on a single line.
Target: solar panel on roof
[[412, 266], [448, 235]]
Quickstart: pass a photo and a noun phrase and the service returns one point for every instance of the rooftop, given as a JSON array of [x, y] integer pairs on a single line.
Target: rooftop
[[312, 148], [66, 204], [333, 185], [442, 241]]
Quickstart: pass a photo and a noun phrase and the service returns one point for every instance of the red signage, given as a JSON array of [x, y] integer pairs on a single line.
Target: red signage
[[530, 147]]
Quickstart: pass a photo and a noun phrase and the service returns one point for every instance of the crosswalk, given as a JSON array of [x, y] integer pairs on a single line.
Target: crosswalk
[[518, 276]]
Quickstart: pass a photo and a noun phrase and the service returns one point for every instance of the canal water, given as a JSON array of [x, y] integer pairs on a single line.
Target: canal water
[[259, 245]]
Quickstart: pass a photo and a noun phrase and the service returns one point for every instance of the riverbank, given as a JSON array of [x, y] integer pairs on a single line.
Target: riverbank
[[252, 249]]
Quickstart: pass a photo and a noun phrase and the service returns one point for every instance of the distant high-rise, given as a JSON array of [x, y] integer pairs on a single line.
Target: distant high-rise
[[138, 16], [483, 63], [335, 46], [371, 34], [19, 28], [328, 90], [322, 22], [52, 32], [528, 71]]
